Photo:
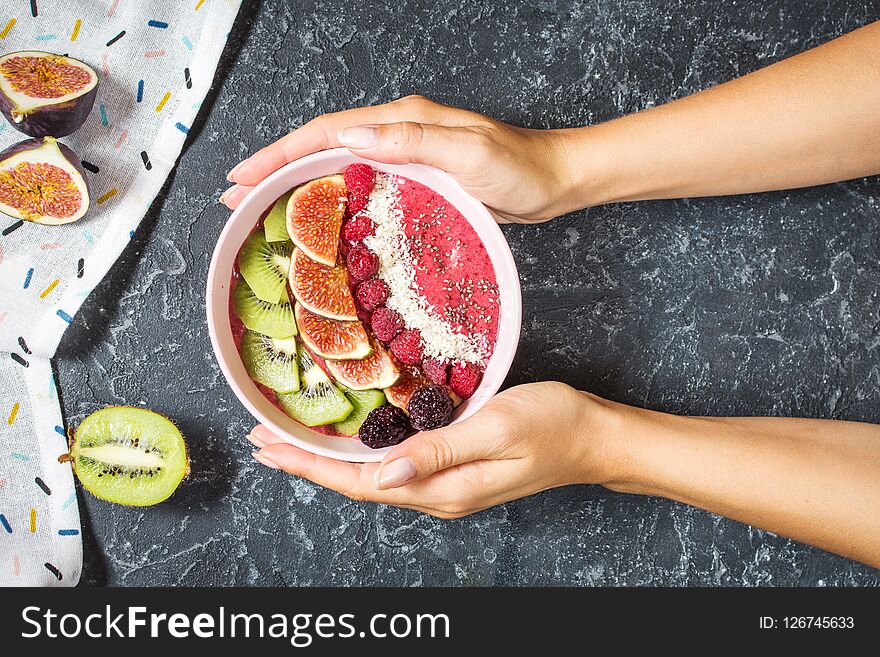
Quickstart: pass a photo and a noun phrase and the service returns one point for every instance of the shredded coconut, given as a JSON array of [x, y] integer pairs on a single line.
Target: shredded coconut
[[389, 243]]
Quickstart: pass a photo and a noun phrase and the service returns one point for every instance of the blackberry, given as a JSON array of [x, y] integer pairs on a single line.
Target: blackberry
[[430, 407], [383, 427]]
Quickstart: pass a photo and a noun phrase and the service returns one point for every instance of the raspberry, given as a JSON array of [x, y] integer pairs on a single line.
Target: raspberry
[[464, 379], [357, 229], [372, 294], [386, 324], [383, 427], [362, 263], [359, 179], [430, 407], [437, 370], [407, 347], [357, 203]]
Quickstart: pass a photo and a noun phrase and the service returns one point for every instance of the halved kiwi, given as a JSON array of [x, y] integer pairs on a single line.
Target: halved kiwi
[[363, 401], [318, 400], [273, 319], [270, 361], [128, 456], [275, 223], [265, 266]]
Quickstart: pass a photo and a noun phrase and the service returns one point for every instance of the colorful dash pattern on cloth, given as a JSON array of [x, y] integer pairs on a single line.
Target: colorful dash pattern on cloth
[[156, 61]]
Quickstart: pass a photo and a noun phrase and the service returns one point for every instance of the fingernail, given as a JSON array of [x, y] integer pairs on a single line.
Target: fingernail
[[256, 442], [396, 473], [265, 461], [233, 170], [361, 136], [226, 194]]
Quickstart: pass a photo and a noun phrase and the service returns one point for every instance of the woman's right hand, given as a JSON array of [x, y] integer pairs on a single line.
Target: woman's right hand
[[519, 174]]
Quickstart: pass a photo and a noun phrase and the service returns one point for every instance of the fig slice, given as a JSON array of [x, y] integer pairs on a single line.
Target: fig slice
[[42, 94], [42, 180], [332, 338], [314, 217], [374, 372], [323, 290], [410, 380]]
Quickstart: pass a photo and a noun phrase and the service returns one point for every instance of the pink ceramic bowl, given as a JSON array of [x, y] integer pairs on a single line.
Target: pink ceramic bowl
[[243, 221]]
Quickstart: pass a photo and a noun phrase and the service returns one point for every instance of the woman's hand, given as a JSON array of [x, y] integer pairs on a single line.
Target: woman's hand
[[519, 174], [524, 440]]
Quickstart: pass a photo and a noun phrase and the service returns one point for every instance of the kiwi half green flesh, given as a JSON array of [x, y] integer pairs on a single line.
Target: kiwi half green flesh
[[129, 456], [265, 266], [318, 401], [363, 401], [273, 319], [270, 361], [275, 223]]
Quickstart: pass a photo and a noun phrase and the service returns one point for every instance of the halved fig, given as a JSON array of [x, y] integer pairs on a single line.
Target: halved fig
[[332, 338], [323, 290], [42, 181], [410, 380], [314, 217], [374, 372], [42, 94]]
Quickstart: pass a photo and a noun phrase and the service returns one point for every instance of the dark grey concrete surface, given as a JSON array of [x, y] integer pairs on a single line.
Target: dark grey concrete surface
[[763, 304]]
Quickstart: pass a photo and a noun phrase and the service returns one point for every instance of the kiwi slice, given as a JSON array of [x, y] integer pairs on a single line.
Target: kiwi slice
[[128, 456], [265, 266], [318, 400], [273, 319], [363, 401], [275, 223], [270, 361]]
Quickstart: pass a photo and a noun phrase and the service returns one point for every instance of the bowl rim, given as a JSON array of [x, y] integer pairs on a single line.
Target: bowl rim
[[260, 198]]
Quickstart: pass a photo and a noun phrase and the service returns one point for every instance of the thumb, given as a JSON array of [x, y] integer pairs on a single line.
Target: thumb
[[409, 142], [432, 451]]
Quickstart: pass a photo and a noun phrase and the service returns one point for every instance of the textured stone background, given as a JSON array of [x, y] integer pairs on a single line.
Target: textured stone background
[[763, 304]]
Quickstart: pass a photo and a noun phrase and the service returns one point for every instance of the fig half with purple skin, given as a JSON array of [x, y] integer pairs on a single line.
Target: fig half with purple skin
[[42, 94], [42, 180]]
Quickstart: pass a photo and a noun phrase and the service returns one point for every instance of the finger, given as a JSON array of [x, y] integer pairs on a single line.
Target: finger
[[261, 435], [321, 133], [234, 195]]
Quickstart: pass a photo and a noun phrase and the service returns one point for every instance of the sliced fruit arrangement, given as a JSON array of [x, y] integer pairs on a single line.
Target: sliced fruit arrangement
[[271, 361], [363, 401], [273, 319], [332, 338], [318, 400], [42, 94], [275, 223], [320, 288], [42, 180], [264, 266], [129, 456], [314, 218], [376, 371]]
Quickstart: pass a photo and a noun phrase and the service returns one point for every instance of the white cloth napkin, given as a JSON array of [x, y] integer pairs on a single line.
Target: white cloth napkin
[[155, 61]]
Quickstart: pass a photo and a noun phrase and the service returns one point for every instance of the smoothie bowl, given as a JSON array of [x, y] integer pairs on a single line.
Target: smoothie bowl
[[351, 304]]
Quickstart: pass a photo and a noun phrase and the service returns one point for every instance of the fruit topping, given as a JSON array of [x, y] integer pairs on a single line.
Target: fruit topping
[[314, 217], [362, 263], [265, 266], [375, 371], [386, 324], [464, 378], [357, 229], [128, 456], [275, 223], [407, 347], [318, 401], [323, 290], [272, 319], [357, 204], [410, 380], [270, 361], [437, 370], [429, 408], [42, 94], [359, 179], [43, 181], [372, 294], [332, 338], [384, 426], [363, 401]]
